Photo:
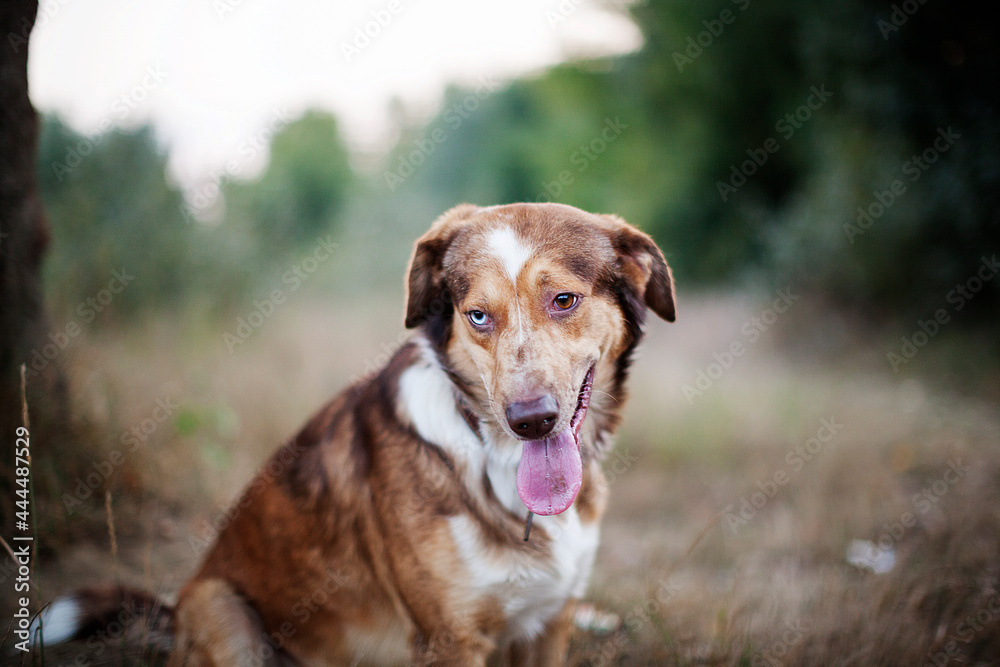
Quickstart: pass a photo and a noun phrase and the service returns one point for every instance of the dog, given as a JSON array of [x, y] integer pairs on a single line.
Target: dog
[[445, 511]]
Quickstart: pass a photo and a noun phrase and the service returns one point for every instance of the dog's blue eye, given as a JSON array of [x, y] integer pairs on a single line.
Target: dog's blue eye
[[565, 301], [478, 318]]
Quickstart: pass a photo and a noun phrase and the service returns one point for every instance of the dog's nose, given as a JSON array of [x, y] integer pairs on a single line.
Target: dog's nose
[[533, 419]]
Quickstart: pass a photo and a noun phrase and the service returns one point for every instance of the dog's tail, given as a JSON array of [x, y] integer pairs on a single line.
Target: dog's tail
[[112, 615]]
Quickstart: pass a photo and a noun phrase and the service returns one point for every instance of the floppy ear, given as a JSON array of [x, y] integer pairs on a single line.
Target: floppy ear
[[644, 267], [425, 288]]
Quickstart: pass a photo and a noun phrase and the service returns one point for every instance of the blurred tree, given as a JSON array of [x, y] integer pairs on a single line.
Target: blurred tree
[[302, 190], [112, 210], [843, 95]]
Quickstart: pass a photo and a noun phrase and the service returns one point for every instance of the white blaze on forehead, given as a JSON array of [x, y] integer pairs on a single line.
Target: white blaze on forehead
[[509, 249]]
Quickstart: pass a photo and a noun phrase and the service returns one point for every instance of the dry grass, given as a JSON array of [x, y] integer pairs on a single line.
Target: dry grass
[[776, 590]]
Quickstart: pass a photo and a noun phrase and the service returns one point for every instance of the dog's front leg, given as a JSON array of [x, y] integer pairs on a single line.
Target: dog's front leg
[[451, 646], [548, 649]]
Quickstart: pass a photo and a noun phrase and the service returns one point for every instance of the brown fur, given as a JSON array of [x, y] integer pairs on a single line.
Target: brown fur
[[343, 547]]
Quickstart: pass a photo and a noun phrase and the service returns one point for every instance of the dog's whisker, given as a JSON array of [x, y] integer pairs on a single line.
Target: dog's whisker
[[609, 395]]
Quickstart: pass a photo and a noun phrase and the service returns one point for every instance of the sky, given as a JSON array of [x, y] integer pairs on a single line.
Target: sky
[[213, 75]]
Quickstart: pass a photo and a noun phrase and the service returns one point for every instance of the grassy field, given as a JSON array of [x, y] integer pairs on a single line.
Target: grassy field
[[738, 484]]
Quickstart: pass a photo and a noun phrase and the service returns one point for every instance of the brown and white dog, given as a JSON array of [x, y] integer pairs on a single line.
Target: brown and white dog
[[391, 528]]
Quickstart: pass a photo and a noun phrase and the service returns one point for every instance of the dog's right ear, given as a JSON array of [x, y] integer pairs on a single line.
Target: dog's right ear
[[425, 288]]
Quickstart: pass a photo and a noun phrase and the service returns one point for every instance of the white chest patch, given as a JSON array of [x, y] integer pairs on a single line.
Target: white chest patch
[[531, 589], [510, 250]]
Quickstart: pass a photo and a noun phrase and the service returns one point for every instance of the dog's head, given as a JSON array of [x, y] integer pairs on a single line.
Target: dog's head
[[531, 307]]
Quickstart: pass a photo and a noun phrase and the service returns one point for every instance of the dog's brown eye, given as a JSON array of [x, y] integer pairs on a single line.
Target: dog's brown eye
[[565, 301]]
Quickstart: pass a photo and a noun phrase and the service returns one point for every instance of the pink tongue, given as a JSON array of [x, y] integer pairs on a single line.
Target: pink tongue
[[550, 473]]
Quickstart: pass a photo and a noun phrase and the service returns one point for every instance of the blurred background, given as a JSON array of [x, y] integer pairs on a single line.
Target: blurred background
[[808, 472]]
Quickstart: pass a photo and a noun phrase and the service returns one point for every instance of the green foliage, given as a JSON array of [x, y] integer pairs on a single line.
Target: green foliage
[[704, 137], [112, 208], [712, 84], [302, 189]]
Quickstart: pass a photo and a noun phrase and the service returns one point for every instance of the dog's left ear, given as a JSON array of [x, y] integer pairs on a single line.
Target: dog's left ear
[[644, 267], [425, 288]]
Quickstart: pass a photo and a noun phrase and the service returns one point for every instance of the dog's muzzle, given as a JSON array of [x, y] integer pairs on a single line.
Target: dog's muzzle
[[550, 472]]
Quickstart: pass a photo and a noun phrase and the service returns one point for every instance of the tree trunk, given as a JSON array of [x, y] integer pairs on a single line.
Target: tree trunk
[[24, 236]]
